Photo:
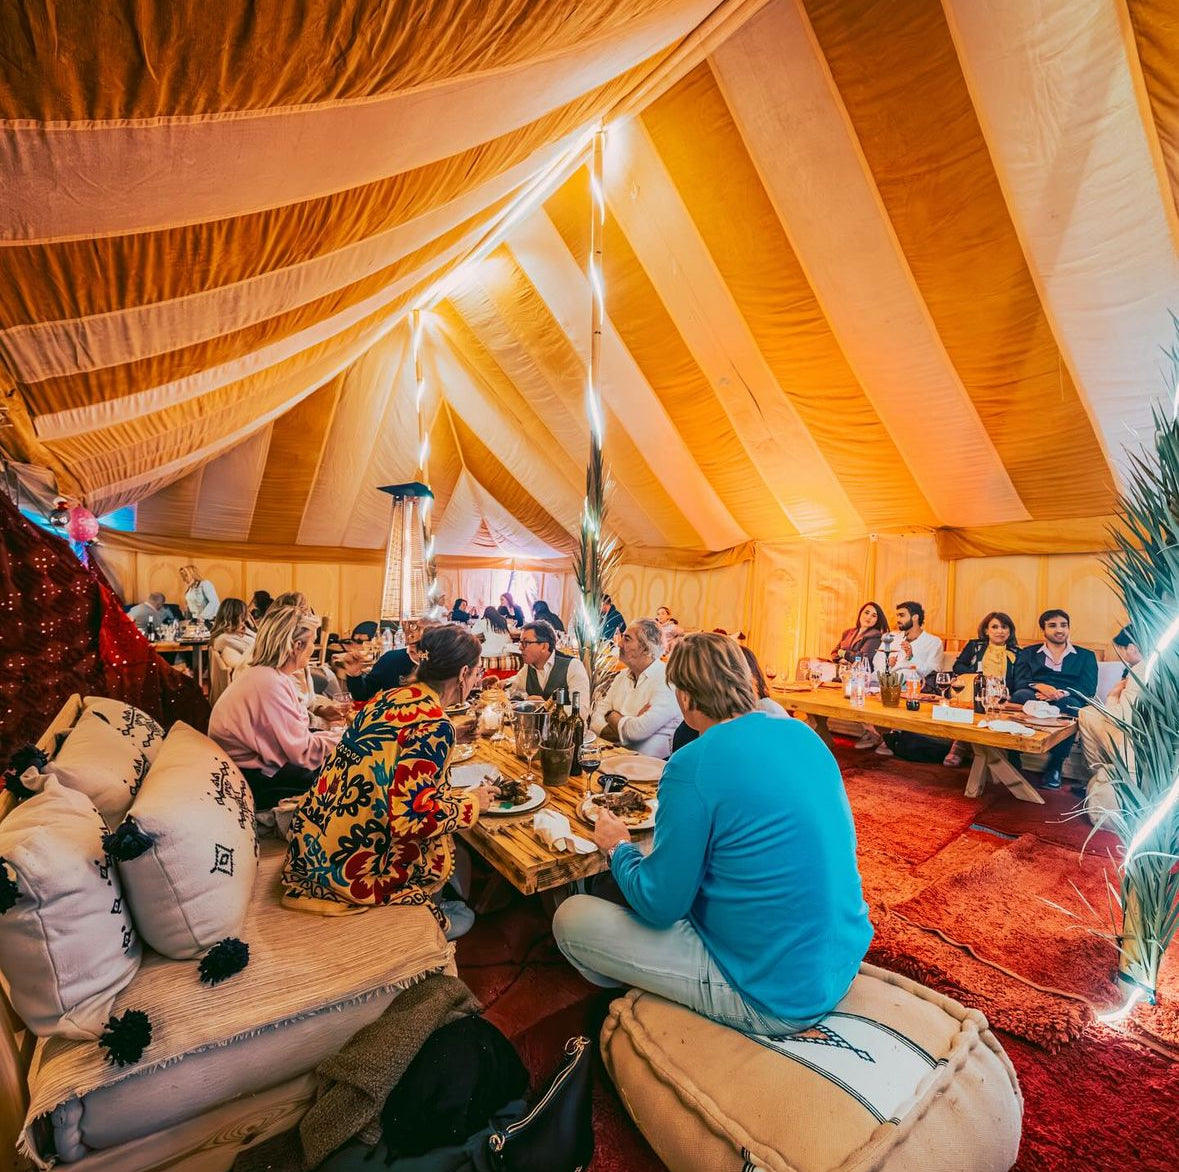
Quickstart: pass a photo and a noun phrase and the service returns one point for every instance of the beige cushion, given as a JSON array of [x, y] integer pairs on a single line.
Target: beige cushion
[[896, 1078], [192, 886], [67, 945], [99, 761], [143, 731]]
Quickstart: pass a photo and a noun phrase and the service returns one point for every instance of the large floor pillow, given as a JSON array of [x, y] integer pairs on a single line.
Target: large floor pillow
[[896, 1078], [99, 760]]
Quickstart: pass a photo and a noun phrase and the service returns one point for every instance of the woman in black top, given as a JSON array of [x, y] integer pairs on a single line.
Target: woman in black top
[[993, 653], [863, 640], [459, 612], [541, 611], [509, 608]]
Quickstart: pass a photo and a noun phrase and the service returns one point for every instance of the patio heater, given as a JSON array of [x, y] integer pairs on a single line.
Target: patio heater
[[409, 588]]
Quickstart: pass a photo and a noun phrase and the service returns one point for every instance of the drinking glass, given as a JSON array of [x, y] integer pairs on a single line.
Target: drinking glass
[[590, 757], [815, 674], [527, 742], [957, 686], [771, 672], [944, 680]]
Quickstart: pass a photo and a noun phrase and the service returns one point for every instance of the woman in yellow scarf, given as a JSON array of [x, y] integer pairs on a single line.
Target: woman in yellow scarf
[[991, 654]]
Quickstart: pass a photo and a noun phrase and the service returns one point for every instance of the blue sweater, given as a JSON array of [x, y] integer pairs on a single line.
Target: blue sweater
[[755, 845]]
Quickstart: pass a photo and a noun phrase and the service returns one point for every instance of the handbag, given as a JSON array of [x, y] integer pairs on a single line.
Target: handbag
[[556, 1134]]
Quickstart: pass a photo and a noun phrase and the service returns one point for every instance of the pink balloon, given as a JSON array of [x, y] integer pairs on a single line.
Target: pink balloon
[[83, 525]]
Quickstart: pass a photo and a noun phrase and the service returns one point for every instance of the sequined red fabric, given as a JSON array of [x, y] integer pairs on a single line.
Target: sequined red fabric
[[63, 630]]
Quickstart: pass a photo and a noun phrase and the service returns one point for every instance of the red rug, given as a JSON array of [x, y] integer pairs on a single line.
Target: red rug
[[1058, 820]]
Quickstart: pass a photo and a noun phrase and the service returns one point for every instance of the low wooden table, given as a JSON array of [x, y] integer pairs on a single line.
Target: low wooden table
[[990, 748], [510, 845], [198, 647]]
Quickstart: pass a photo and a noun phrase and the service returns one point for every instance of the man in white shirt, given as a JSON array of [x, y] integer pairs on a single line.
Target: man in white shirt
[[917, 652], [545, 672], [640, 710]]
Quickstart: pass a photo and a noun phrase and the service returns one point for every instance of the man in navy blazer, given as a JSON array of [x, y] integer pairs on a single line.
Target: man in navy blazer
[[1060, 673]]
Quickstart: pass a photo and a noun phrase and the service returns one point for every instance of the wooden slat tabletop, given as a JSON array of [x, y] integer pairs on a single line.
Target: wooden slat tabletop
[[510, 845], [830, 703]]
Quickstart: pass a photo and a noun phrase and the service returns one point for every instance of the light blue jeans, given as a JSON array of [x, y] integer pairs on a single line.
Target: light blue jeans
[[610, 946]]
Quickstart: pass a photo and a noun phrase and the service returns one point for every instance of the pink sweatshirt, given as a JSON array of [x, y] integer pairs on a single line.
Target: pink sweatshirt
[[261, 722]]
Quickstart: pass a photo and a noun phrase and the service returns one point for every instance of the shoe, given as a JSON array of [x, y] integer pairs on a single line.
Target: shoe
[[868, 741], [461, 917], [882, 750], [1050, 779], [952, 760]]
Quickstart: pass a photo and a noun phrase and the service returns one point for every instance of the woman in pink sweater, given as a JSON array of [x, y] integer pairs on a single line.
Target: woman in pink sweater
[[260, 720]]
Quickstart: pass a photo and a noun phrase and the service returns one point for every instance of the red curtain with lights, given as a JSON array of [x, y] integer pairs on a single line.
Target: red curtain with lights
[[63, 630]]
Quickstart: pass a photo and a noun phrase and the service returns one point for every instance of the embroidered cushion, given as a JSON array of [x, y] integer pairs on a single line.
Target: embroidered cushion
[[67, 944], [896, 1078], [100, 762], [142, 730], [192, 884]]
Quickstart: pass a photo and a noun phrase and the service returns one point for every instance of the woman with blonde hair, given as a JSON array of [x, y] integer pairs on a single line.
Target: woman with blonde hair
[[748, 908], [260, 719], [378, 826], [230, 642], [200, 595]]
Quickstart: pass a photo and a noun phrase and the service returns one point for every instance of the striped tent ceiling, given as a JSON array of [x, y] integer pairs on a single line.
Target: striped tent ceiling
[[870, 264]]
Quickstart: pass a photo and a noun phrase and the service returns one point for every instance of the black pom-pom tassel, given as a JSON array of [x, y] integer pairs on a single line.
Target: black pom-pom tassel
[[224, 959], [9, 892], [125, 1038], [29, 756], [127, 842]]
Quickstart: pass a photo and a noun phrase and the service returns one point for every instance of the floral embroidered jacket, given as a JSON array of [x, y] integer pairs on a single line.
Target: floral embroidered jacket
[[376, 827]]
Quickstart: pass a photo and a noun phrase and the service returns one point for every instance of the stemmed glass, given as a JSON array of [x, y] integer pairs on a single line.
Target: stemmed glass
[[994, 695], [944, 680], [771, 673], [527, 742], [815, 674], [590, 757]]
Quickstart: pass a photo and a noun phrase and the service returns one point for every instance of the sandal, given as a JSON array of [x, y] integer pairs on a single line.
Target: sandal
[[953, 759]]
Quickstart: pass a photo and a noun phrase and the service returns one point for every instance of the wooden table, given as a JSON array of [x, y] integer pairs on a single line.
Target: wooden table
[[510, 845], [198, 647], [990, 748]]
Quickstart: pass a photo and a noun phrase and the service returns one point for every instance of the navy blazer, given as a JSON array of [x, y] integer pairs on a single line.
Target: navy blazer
[[1078, 672]]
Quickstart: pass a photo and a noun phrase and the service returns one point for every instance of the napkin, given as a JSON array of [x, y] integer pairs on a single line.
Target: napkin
[[553, 829], [1008, 726], [1040, 709]]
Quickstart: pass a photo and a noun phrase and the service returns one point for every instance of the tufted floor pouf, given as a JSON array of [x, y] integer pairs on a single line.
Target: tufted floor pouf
[[896, 1078]]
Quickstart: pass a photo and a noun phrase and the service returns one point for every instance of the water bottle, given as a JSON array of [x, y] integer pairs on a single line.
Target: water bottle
[[399, 638], [386, 639], [858, 685]]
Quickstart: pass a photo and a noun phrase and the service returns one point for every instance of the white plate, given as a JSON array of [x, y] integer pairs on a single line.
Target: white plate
[[462, 753], [471, 775], [633, 766], [536, 797], [588, 811]]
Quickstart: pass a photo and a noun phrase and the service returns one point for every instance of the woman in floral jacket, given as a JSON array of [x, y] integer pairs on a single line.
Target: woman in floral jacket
[[377, 826]]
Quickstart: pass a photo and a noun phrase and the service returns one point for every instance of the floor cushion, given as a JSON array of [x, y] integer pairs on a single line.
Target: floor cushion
[[67, 944], [100, 762], [191, 884], [143, 731], [897, 1077]]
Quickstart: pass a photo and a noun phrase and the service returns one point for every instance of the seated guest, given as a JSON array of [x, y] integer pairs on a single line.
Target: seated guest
[[459, 612], [863, 640], [200, 595], [510, 609], [378, 826], [497, 640], [230, 642], [639, 710], [260, 603], [663, 615], [672, 634], [993, 654], [542, 613], [546, 671], [154, 610], [393, 669], [260, 719], [916, 652], [612, 622], [293, 598], [748, 908], [1102, 741], [685, 734], [1060, 673]]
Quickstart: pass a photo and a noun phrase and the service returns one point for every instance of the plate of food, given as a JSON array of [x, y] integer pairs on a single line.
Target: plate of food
[[516, 796], [462, 753], [457, 709], [635, 810]]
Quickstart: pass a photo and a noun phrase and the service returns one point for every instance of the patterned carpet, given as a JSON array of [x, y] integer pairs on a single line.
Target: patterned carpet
[[959, 906]]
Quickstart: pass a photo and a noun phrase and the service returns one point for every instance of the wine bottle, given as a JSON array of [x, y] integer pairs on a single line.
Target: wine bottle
[[578, 736]]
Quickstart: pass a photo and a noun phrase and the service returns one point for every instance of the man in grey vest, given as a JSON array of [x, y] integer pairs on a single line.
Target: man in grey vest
[[545, 672]]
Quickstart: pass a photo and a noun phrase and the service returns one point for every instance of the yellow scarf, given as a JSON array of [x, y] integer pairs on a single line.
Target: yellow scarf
[[995, 660]]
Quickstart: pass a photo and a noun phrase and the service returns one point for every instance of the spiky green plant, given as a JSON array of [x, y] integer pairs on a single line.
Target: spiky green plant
[[594, 565], [1144, 568]]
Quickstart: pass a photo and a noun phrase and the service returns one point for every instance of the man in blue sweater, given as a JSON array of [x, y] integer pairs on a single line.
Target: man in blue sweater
[[748, 908], [1059, 673]]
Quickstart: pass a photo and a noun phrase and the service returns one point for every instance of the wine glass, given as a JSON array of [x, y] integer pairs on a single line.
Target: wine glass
[[815, 674], [590, 757], [771, 673], [944, 680], [957, 686], [527, 742]]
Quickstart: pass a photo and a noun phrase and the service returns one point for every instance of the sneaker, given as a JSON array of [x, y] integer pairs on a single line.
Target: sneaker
[[882, 750], [461, 917], [868, 740]]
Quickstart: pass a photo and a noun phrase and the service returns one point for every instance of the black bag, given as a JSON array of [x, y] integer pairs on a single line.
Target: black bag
[[911, 746], [557, 1133], [463, 1074]]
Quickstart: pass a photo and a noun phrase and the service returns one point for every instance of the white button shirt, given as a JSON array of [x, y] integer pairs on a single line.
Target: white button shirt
[[647, 732], [926, 657], [575, 681]]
